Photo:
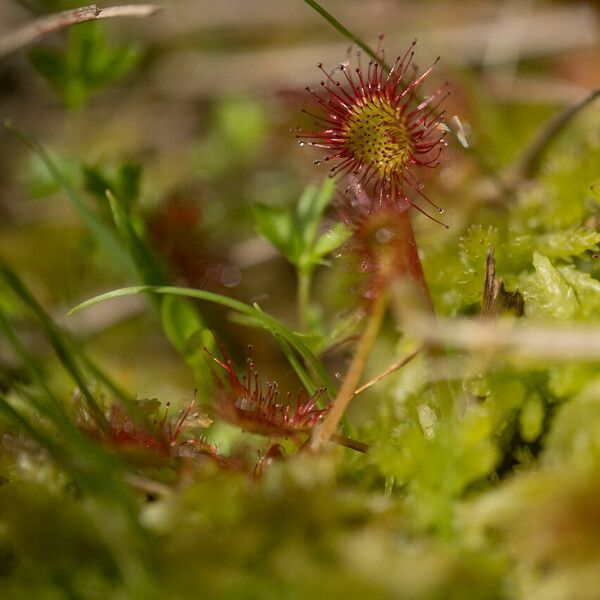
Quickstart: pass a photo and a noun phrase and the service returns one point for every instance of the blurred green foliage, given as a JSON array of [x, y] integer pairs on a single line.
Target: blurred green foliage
[[87, 64]]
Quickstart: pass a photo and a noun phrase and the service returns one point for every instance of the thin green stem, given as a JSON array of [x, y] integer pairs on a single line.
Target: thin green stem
[[343, 30], [56, 339], [304, 284]]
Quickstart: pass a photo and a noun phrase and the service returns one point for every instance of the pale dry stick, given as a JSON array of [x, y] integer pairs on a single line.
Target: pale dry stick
[[518, 341], [393, 367], [33, 31], [147, 485], [324, 432]]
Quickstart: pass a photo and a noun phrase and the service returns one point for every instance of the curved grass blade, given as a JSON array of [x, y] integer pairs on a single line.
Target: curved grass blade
[[296, 365], [266, 320], [52, 409], [60, 345]]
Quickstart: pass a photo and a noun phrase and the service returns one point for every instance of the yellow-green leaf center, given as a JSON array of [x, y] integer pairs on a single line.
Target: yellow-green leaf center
[[376, 135]]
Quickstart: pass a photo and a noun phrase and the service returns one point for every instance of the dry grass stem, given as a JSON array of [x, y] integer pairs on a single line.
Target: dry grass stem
[[38, 28], [577, 342]]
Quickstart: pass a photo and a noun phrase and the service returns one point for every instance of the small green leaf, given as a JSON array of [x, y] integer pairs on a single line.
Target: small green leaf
[[124, 184], [329, 241], [294, 234], [86, 64], [309, 212], [586, 288], [149, 270], [128, 183], [276, 225]]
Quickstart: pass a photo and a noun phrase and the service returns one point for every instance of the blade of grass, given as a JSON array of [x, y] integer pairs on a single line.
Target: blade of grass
[[53, 410], [267, 321], [133, 255], [344, 31], [33, 365], [98, 229], [528, 163], [296, 365], [60, 345], [277, 328], [149, 271]]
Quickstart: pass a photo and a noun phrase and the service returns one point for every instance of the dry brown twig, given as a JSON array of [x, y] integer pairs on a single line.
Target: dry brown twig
[[507, 337], [393, 367], [38, 28]]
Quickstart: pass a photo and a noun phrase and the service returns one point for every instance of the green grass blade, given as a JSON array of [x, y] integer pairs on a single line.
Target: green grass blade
[[343, 30], [296, 365], [267, 321], [53, 409], [99, 230], [277, 328], [179, 318], [149, 271], [60, 345]]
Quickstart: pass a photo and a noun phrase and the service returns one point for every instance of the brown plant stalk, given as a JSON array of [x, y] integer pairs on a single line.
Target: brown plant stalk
[[33, 31]]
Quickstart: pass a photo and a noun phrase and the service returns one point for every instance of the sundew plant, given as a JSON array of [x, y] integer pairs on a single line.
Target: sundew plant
[[299, 311]]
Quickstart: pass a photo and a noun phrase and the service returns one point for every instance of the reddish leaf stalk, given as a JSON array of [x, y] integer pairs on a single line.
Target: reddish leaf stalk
[[406, 264], [324, 432]]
